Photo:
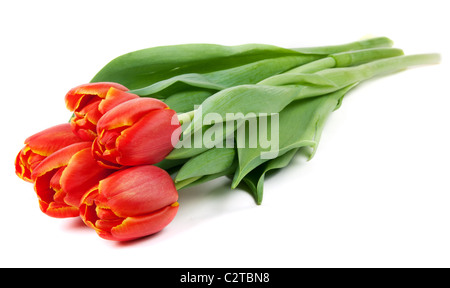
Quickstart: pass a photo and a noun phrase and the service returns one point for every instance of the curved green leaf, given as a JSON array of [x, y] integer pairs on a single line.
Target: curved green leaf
[[164, 88], [300, 125], [210, 162], [147, 66], [255, 179]]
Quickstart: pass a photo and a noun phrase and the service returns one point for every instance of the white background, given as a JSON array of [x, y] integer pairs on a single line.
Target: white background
[[376, 194]]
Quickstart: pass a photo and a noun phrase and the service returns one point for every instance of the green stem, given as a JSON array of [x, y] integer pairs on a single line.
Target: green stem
[[315, 66], [342, 77], [345, 59], [357, 45]]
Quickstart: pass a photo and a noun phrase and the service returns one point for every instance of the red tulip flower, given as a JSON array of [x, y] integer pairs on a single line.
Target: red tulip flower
[[131, 203], [41, 145], [90, 101], [62, 178], [137, 132]]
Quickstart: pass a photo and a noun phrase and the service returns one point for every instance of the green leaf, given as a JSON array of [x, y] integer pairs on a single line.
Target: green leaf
[[195, 172], [210, 162], [186, 101], [167, 164], [255, 179], [202, 179], [243, 99], [209, 137], [165, 88], [300, 125], [147, 66], [245, 74]]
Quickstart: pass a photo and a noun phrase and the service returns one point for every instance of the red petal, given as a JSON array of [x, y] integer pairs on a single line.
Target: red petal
[[105, 214], [138, 190], [55, 185], [25, 162], [52, 139], [149, 140], [107, 225], [87, 208], [58, 210], [136, 227], [84, 122], [42, 187], [104, 158], [50, 200], [80, 175], [113, 98], [58, 159], [128, 113], [75, 96], [40, 145]]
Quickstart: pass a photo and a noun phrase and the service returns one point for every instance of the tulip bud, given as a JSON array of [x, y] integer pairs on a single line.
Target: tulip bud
[[130, 203], [90, 101], [58, 185], [41, 145], [137, 132]]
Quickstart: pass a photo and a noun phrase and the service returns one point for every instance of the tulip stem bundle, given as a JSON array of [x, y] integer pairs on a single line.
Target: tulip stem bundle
[[336, 82], [196, 112]]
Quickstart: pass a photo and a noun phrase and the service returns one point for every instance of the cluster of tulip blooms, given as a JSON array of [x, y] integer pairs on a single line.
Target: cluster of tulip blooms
[[99, 166], [110, 164]]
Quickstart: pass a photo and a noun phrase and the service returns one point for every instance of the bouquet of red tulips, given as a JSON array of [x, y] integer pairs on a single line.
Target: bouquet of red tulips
[[107, 179], [196, 112]]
